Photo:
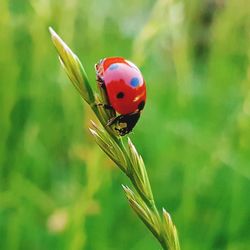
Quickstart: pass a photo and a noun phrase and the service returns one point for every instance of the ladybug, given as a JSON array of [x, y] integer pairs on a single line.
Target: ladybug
[[125, 92]]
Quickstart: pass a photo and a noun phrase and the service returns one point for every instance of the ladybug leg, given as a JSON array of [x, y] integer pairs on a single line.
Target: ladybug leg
[[105, 106], [113, 121], [121, 128], [100, 82], [129, 119], [99, 79], [121, 131]]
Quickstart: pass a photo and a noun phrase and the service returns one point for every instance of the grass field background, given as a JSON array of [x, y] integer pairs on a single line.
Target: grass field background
[[58, 190]]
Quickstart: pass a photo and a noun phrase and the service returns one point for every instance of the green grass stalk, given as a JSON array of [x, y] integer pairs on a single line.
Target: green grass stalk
[[122, 153]]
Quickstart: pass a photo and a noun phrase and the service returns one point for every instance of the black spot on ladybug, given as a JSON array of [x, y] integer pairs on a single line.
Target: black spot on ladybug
[[141, 105], [120, 95]]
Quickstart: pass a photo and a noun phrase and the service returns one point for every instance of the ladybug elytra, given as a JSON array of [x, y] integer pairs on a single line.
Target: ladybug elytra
[[125, 91]]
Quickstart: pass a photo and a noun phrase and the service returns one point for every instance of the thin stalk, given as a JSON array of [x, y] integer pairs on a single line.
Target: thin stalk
[[124, 156]]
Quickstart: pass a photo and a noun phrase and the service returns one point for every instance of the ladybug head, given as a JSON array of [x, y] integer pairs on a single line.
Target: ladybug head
[[126, 123]]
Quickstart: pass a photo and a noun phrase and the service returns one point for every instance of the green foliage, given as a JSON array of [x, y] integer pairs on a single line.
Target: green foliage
[[58, 191]]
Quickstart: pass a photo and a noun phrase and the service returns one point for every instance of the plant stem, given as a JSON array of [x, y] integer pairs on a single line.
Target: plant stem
[[125, 157]]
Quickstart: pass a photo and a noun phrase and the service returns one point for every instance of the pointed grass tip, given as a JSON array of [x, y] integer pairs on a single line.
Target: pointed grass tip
[[73, 67]]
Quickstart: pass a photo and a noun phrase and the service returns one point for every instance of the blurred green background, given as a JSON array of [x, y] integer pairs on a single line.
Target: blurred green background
[[58, 190]]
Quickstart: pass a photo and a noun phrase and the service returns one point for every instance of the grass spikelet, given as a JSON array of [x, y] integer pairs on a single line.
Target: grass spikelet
[[124, 155]]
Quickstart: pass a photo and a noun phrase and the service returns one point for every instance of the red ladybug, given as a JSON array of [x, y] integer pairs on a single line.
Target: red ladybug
[[125, 91]]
